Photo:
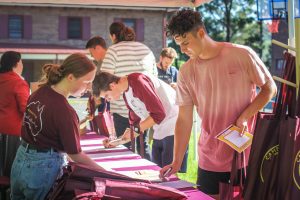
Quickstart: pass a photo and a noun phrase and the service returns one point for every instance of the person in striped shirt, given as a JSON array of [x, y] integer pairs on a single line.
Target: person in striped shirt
[[126, 56]]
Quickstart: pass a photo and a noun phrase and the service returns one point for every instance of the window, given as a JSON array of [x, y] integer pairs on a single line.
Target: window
[[74, 28], [130, 23], [136, 24], [279, 64], [15, 27]]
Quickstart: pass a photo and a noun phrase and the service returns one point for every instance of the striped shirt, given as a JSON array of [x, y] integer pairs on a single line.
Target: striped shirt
[[125, 58]]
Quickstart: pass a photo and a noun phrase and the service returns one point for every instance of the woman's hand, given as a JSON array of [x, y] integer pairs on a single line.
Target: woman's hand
[[107, 144], [126, 135]]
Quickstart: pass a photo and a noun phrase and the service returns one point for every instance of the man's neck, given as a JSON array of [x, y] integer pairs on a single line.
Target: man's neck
[[123, 83], [211, 49]]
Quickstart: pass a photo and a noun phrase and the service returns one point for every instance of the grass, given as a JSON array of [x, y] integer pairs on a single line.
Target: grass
[[192, 168]]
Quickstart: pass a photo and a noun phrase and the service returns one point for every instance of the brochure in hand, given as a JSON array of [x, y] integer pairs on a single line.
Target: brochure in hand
[[232, 137]]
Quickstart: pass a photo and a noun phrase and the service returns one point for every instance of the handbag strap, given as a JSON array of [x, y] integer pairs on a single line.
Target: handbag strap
[[235, 166], [92, 106], [132, 139], [142, 146], [286, 96], [141, 140]]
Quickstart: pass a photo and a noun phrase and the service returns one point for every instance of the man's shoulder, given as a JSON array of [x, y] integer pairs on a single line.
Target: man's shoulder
[[186, 67], [234, 49]]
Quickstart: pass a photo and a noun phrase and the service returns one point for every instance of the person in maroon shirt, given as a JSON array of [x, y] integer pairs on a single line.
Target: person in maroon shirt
[[51, 129], [151, 103], [13, 98]]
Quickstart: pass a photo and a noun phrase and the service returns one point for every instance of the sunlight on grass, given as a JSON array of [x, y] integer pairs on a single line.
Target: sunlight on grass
[[192, 167]]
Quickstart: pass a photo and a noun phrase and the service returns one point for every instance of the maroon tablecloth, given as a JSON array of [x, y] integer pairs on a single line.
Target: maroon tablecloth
[[122, 159]]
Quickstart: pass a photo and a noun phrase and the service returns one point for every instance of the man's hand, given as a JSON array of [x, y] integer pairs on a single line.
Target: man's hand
[[168, 170], [242, 124], [173, 85]]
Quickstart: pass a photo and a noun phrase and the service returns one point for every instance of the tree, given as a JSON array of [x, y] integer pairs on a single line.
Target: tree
[[235, 21]]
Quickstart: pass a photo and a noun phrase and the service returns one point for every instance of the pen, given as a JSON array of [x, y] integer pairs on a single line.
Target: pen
[[167, 172]]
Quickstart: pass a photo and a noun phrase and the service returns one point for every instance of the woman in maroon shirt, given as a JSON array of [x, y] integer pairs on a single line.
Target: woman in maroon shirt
[[51, 129]]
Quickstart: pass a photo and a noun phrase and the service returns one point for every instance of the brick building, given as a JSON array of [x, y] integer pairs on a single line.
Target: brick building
[[48, 32]]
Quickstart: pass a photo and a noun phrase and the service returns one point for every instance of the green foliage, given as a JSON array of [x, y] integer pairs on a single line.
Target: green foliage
[[235, 21]]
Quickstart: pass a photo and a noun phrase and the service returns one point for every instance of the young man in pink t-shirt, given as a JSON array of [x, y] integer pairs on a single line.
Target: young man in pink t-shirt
[[220, 79]]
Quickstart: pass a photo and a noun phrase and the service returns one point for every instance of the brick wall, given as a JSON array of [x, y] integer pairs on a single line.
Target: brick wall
[[45, 24]]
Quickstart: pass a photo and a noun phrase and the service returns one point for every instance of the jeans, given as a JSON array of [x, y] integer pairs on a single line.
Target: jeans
[[121, 123], [33, 173]]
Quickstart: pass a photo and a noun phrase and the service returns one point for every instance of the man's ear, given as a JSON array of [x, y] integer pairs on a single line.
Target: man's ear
[[201, 33], [70, 77], [112, 86]]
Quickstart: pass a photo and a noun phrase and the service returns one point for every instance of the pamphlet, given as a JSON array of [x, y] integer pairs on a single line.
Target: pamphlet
[[150, 175], [232, 137]]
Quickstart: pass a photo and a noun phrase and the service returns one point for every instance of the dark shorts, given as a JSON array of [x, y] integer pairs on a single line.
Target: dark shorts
[[208, 181]]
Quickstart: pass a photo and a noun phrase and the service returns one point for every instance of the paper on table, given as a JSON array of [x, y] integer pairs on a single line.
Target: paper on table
[[179, 184], [127, 163], [150, 175], [232, 137]]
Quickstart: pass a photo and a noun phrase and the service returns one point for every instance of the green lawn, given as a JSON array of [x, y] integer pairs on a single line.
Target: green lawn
[[192, 169]]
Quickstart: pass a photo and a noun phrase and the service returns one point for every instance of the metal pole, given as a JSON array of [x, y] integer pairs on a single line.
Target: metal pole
[[297, 45], [195, 133], [291, 23]]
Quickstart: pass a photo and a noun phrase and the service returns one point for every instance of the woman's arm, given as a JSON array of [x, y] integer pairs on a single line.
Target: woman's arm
[[82, 158]]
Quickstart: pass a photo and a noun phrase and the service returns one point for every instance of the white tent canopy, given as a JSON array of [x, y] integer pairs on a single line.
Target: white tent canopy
[[142, 4]]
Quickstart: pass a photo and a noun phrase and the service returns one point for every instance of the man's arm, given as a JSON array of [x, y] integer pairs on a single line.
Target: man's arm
[[147, 123], [268, 90], [183, 130]]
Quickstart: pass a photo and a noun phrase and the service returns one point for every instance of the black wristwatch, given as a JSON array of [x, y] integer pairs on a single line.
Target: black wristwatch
[[137, 129]]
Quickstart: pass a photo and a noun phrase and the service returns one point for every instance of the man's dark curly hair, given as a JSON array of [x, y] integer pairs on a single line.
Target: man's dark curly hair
[[185, 20]]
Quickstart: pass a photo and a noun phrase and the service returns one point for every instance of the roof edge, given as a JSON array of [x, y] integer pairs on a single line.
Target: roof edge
[[88, 6]]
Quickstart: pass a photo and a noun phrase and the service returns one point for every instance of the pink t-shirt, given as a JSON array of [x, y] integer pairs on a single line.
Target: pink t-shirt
[[220, 88]]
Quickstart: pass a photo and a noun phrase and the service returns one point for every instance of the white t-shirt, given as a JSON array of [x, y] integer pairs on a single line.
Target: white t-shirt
[[149, 96]]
